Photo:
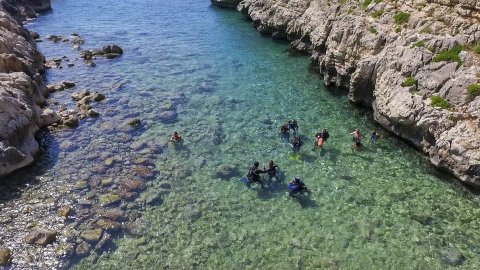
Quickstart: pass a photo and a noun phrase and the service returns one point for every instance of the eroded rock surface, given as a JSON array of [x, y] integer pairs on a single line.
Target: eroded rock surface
[[22, 90], [372, 47]]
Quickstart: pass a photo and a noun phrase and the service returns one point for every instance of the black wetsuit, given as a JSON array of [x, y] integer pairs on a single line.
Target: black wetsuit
[[254, 175], [325, 135], [285, 131], [293, 125], [272, 171], [297, 144]]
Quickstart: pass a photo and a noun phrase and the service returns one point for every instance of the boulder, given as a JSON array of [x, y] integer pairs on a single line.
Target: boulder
[[71, 121], [48, 117], [83, 249], [91, 236], [168, 116], [451, 256], [112, 49], [227, 171], [109, 199], [41, 236], [5, 255]]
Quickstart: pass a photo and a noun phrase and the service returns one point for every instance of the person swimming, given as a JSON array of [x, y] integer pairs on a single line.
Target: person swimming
[[297, 143], [293, 125], [374, 137], [272, 170], [254, 174], [176, 138], [357, 139], [357, 135], [325, 134], [297, 186], [285, 132]]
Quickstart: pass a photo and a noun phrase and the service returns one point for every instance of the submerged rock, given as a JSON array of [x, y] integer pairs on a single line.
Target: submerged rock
[[65, 211], [452, 256], [227, 171], [109, 199], [168, 116], [41, 236], [5, 255], [91, 236], [83, 249]]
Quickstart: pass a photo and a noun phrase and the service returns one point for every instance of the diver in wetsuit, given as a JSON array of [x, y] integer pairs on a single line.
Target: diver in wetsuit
[[297, 186], [254, 174], [272, 171]]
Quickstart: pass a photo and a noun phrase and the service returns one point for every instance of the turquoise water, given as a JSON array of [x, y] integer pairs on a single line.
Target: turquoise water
[[383, 207]]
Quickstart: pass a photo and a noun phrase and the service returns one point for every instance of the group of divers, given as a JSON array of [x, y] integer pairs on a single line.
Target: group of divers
[[296, 186]]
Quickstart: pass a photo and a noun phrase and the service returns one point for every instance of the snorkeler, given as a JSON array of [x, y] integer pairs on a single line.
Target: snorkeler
[[297, 143], [285, 132], [293, 125], [176, 138], [374, 137], [297, 186]]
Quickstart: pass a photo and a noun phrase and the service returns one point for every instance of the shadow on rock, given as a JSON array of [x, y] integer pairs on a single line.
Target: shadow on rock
[[12, 185]]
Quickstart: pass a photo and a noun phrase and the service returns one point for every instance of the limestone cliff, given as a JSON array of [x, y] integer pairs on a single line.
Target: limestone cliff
[[416, 63], [22, 90]]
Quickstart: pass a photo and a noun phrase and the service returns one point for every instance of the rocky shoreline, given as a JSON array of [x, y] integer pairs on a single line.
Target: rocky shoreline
[[415, 63], [51, 218], [22, 91]]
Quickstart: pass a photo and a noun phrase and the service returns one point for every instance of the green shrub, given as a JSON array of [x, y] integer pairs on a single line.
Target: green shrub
[[402, 18], [409, 81], [438, 101], [398, 30], [366, 3], [418, 44], [378, 1], [449, 55], [350, 11], [377, 13], [476, 49], [473, 90], [373, 30]]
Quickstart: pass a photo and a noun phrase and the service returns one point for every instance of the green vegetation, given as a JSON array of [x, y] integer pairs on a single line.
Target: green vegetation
[[366, 3], [398, 30], [476, 49], [377, 13], [409, 81], [473, 90], [402, 18], [378, 1], [350, 11], [373, 30], [426, 30], [449, 55], [453, 118], [418, 44], [438, 101]]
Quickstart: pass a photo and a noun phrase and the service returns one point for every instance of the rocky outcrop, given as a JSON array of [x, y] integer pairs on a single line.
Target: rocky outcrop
[[22, 91], [225, 3], [410, 61]]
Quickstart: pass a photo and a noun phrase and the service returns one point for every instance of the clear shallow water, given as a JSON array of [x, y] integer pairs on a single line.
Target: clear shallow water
[[383, 207]]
